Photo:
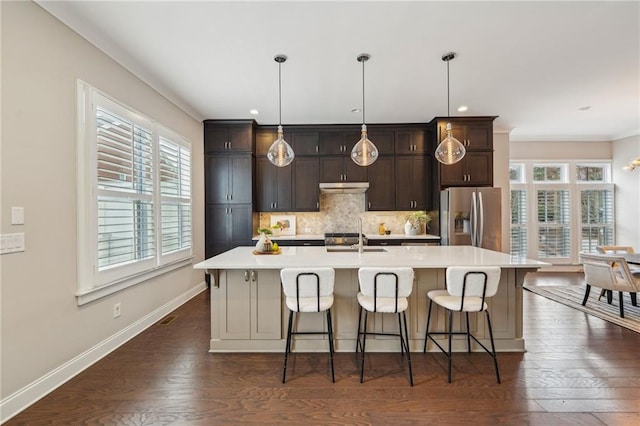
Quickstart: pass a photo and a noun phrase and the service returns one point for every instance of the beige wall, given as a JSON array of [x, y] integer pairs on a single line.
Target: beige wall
[[42, 325], [627, 192], [545, 150]]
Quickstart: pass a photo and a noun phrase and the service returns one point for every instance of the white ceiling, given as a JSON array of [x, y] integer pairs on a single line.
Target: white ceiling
[[533, 64]]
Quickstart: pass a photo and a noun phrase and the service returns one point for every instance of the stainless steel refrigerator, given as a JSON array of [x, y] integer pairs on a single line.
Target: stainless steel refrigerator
[[471, 216]]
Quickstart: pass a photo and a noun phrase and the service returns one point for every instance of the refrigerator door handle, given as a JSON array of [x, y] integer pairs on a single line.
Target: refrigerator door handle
[[481, 219], [474, 219]]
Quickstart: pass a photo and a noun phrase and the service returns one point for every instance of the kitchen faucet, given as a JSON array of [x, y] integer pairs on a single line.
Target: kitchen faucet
[[360, 244]]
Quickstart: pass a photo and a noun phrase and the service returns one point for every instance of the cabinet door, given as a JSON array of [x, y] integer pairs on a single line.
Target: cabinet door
[[306, 181], [412, 183], [264, 140], [353, 172], [381, 192], [273, 186], [265, 305], [421, 183], [217, 182], [235, 304], [453, 174], [228, 138], [240, 225], [331, 169], [479, 136], [240, 171], [479, 168], [217, 233], [410, 141], [304, 143], [383, 140], [332, 143]]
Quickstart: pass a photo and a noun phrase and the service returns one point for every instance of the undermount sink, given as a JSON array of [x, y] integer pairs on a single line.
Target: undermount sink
[[347, 249]]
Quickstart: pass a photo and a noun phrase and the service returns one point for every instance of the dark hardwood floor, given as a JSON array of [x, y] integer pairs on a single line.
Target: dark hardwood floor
[[579, 370]]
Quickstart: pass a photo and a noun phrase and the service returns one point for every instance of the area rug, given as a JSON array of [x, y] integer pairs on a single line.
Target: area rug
[[572, 296]]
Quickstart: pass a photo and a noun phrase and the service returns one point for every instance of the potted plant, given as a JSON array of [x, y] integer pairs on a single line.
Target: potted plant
[[264, 243], [417, 220], [276, 229]]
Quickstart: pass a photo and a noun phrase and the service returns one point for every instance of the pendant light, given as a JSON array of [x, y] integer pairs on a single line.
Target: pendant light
[[364, 152], [450, 150], [280, 152]]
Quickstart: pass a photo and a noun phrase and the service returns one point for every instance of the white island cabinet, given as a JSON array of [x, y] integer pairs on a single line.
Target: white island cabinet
[[248, 312]]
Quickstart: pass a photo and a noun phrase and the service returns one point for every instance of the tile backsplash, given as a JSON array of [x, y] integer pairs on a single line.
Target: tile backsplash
[[339, 213]]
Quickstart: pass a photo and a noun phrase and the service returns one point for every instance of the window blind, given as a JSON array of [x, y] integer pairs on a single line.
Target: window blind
[[597, 218], [519, 222], [554, 228]]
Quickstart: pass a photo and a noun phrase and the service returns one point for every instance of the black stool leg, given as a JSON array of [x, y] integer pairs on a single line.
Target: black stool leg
[[468, 334], [400, 333], [364, 342], [609, 296], [426, 334], [287, 348], [634, 299], [331, 350], [358, 346], [493, 347], [449, 354], [406, 334]]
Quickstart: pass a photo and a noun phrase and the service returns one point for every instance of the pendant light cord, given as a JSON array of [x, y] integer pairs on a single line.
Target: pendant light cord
[[448, 110], [280, 93], [363, 92]]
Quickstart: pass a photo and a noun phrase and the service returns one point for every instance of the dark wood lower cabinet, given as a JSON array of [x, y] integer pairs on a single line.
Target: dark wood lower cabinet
[[227, 226]]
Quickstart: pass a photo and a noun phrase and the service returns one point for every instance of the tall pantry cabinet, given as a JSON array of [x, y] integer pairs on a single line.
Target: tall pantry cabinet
[[229, 184]]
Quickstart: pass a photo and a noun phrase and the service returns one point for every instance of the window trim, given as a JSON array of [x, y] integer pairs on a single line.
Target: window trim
[[93, 284]]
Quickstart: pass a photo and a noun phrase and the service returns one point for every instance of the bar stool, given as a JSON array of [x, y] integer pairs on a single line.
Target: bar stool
[[384, 290], [308, 290], [467, 291]]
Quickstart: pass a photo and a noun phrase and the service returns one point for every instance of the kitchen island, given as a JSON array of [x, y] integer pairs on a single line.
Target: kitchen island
[[248, 313]]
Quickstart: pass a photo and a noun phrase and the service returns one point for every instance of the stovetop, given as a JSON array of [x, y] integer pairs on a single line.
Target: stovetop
[[341, 238]]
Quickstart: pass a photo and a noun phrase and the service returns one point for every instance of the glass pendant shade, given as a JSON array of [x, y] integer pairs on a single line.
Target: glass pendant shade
[[450, 150], [364, 152], [280, 152]]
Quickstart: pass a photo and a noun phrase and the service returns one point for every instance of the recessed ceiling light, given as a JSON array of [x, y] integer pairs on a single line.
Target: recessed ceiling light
[[254, 112], [462, 108], [585, 108], [356, 110]]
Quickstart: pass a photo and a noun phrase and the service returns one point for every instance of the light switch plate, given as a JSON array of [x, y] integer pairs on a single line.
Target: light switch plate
[[12, 243], [17, 215]]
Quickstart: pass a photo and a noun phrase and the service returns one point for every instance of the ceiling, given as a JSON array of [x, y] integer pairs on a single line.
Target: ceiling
[[533, 64]]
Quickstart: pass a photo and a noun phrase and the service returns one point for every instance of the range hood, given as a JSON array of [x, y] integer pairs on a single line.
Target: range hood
[[344, 187]]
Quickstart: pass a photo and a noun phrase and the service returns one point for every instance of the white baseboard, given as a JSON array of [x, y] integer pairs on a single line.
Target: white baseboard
[[18, 401]]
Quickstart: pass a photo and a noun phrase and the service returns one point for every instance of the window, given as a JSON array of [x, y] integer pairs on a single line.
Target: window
[[134, 193], [560, 209]]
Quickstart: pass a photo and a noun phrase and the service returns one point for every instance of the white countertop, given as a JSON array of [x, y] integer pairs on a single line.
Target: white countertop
[[403, 237], [419, 257], [293, 237], [369, 236]]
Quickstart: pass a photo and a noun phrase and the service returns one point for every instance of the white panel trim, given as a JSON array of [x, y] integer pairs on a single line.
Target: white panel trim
[[21, 399]]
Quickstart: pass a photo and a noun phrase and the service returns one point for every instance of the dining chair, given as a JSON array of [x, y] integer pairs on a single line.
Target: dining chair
[[384, 290], [467, 290], [609, 272], [308, 290], [617, 250]]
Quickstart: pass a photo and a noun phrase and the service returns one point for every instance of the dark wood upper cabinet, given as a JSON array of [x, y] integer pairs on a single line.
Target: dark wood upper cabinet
[[475, 169], [273, 186], [304, 143], [341, 169], [413, 188], [410, 141], [228, 136], [381, 194], [306, 184], [228, 178], [475, 133], [383, 140], [332, 143]]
